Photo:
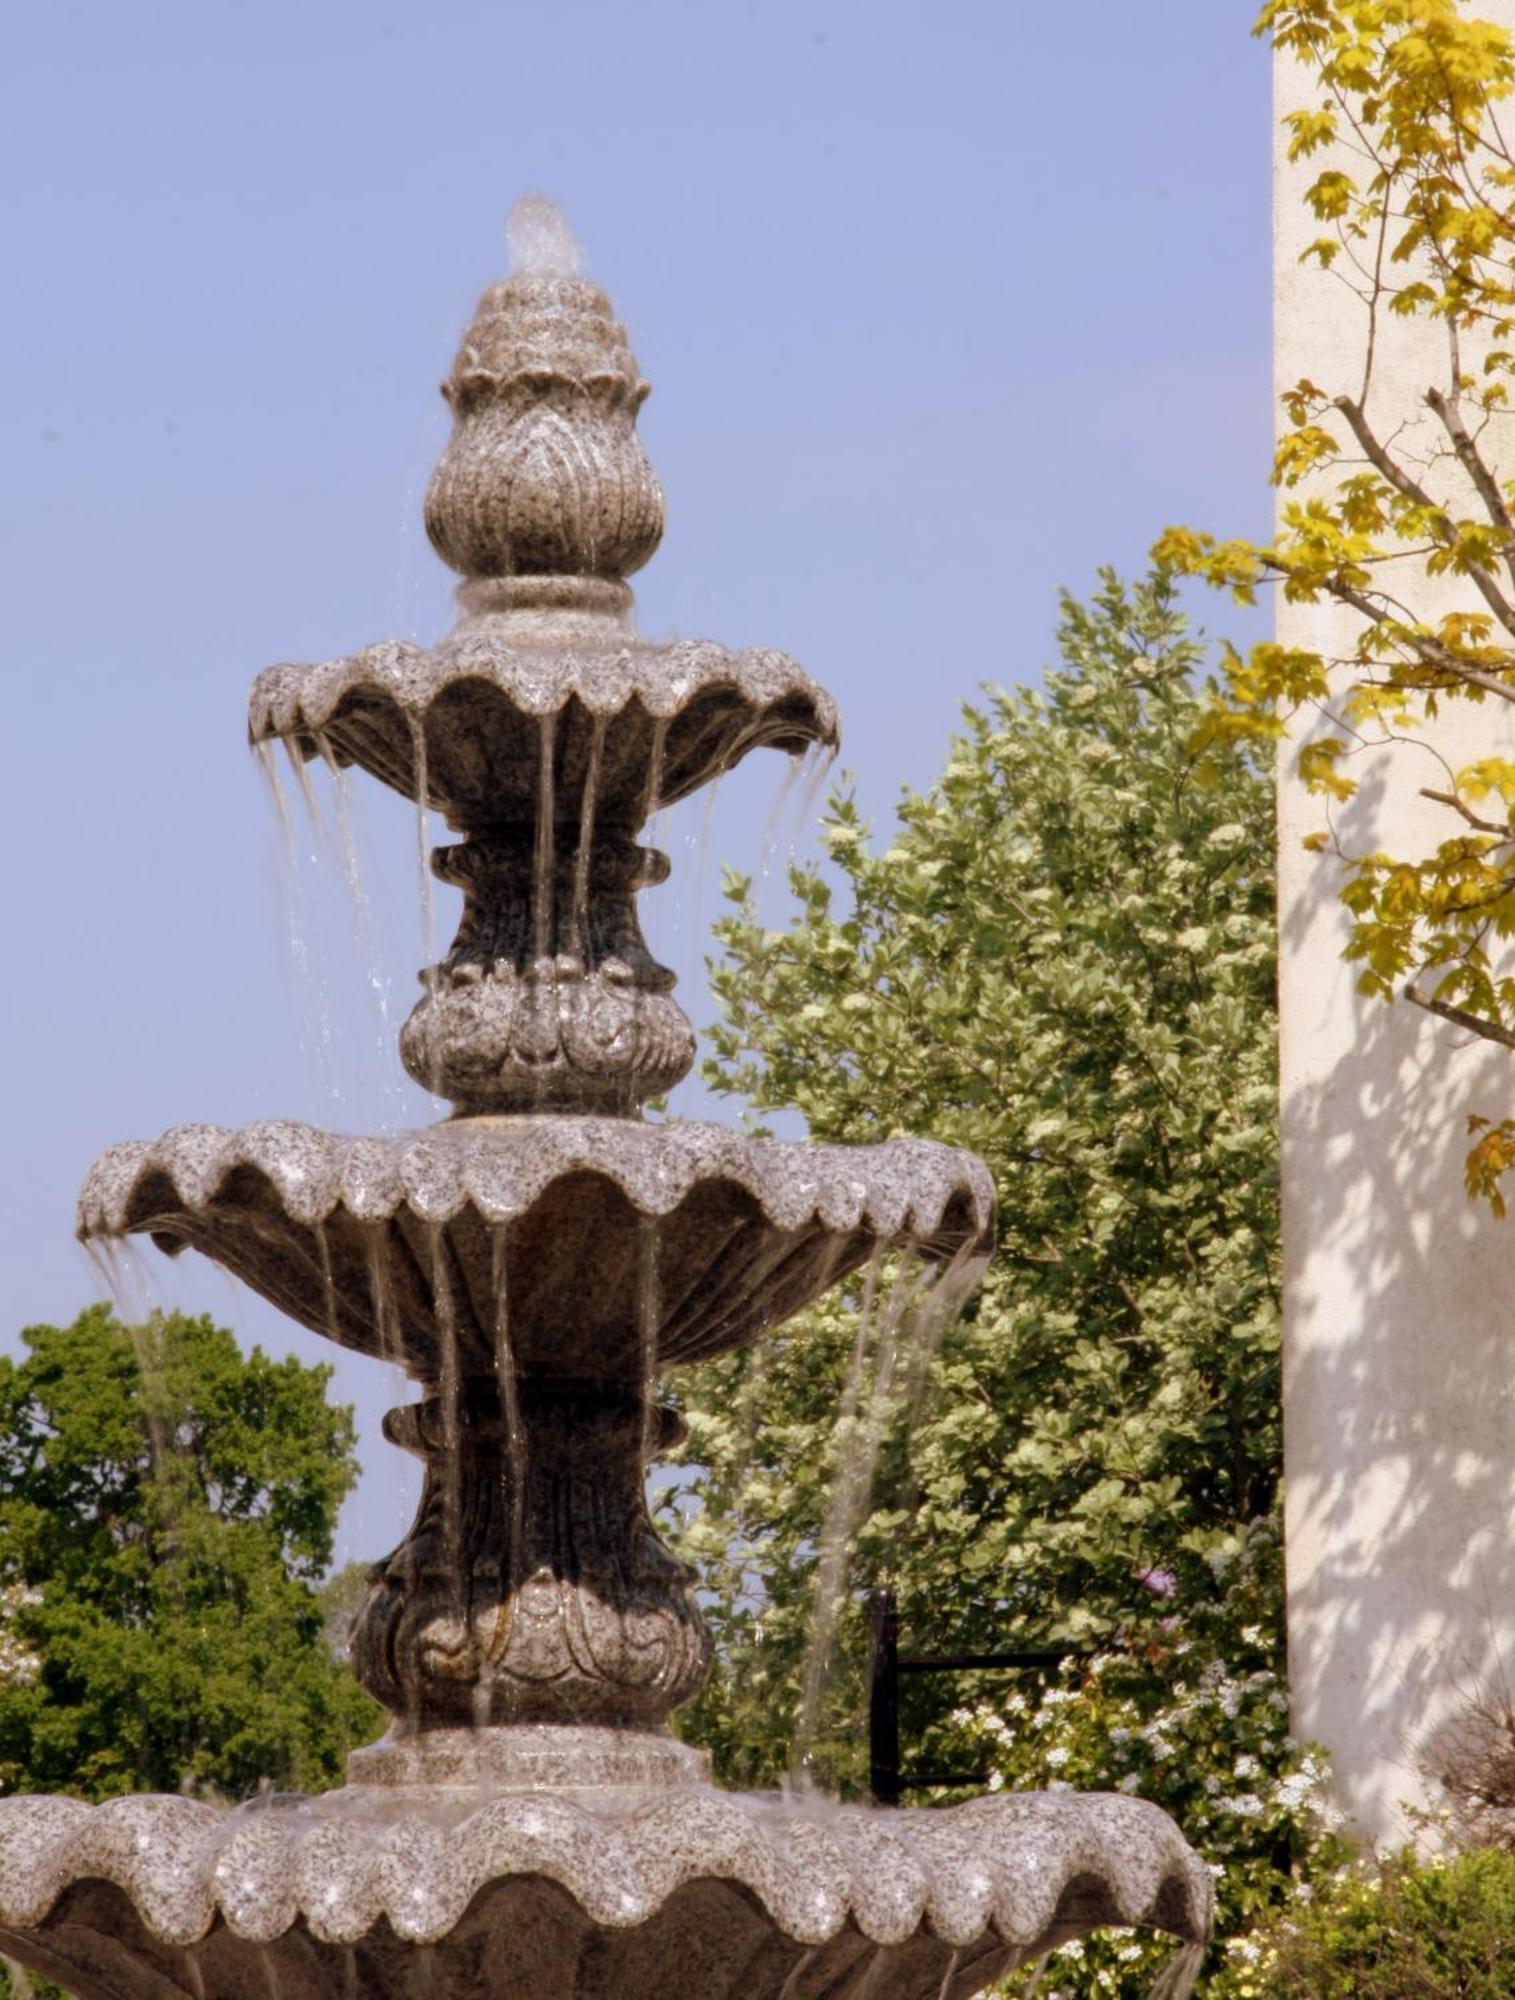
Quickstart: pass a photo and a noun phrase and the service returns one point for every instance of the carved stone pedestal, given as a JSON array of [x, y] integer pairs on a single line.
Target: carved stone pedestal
[[549, 999], [532, 1587]]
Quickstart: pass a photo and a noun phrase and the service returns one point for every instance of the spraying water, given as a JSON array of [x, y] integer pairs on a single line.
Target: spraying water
[[541, 243]]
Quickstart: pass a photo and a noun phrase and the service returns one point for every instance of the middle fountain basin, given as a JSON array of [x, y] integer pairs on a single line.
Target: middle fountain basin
[[594, 1246]]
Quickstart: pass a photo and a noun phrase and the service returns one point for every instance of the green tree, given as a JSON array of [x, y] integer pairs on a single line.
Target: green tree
[[166, 1511], [1065, 961], [1414, 198]]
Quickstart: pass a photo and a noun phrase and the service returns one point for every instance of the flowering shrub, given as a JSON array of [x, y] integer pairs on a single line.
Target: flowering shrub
[[1064, 959], [1195, 1717], [19, 1664], [1410, 1930]]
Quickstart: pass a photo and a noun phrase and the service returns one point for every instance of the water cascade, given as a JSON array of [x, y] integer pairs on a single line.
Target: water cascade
[[535, 1262]]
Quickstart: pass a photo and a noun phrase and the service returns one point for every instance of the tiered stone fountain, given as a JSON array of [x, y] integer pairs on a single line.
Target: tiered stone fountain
[[529, 1826]]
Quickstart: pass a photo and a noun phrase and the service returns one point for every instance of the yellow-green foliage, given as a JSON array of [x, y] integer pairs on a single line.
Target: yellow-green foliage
[[1415, 195]]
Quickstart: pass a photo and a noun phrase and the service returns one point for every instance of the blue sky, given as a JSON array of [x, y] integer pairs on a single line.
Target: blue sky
[[943, 307]]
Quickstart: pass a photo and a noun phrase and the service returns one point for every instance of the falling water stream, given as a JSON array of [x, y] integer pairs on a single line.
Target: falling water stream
[[543, 898], [653, 797], [649, 1321], [796, 1973], [423, 842], [509, 1382], [768, 845], [320, 854], [449, 1393], [587, 808], [328, 1283], [901, 1316], [129, 1281], [358, 897], [312, 992], [859, 1433], [381, 1293], [789, 817]]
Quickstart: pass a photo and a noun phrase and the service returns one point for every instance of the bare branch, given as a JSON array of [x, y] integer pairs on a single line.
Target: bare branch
[[1505, 832], [1491, 1031], [1428, 651], [1472, 461], [1390, 469]]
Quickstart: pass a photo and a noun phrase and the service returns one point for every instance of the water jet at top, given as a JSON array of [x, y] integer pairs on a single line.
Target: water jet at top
[[535, 1261], [540, 241]]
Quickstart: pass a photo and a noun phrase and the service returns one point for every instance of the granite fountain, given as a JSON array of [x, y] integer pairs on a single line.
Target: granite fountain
[[536, 1261]]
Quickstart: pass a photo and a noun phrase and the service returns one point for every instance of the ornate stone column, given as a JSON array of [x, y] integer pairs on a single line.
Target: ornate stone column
[[532, 1587]]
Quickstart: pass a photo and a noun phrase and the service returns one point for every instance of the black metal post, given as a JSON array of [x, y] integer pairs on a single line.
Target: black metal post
[[883, 1698]]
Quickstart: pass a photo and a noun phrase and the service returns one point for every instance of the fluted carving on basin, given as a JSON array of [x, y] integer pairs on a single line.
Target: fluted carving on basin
[[551, 1037], [690, 1891], [532, 1587], [393, 1246], [465, 717]]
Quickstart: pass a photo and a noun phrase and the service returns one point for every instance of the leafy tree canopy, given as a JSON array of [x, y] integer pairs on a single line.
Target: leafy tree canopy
[[1064, 960], [166, 1508]]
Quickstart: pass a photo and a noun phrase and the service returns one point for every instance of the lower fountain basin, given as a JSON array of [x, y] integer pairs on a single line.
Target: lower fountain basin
[[697, 1238], [446, 1891]]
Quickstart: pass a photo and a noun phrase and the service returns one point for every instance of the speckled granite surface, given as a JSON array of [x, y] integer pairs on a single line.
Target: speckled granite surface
[[544, 501], [381, 1242], [661, 720], [687, 1891]]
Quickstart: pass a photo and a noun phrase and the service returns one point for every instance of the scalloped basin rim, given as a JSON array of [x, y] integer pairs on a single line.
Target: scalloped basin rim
[[901, 1189], [296, 699], [1016, 1865]]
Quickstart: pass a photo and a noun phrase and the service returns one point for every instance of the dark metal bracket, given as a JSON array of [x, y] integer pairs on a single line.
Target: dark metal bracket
[[886, 1780]]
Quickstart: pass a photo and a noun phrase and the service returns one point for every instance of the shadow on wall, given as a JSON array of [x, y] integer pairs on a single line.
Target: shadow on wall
[[1398, 1361]]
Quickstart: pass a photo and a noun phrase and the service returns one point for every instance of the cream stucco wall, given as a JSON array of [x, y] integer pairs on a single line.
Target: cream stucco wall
[[1399, 1345]]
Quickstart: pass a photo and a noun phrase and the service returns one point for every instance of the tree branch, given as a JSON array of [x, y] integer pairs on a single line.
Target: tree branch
[[1428, 651], [1472, 461], [1491, 1031], [1389, 469], [1505, 832]]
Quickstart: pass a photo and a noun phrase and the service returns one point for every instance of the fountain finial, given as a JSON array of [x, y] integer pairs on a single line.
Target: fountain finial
[[544, 476]]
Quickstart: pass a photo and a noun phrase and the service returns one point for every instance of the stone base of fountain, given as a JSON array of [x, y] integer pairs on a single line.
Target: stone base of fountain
[[554, 1756], [630, 1890]]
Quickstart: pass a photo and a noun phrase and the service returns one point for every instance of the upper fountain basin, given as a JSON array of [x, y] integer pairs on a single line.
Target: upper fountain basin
[[549, 691], [585, 1240]]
